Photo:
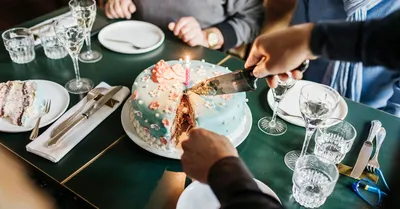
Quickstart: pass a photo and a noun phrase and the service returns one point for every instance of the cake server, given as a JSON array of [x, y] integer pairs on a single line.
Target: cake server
[[237, 81], [85, 115], [366, 150]]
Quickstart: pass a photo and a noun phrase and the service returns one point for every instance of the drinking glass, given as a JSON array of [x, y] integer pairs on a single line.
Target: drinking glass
[[317, 103], [313, 181], [85, 12], [272, 125], [19, 43], [334, 139], [53, 49], [71, 35]]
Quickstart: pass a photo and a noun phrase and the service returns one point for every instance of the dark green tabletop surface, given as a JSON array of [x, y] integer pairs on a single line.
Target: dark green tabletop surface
[[108, 170]]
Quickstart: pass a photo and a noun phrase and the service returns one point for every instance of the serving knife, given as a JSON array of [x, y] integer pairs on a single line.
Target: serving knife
[[94, 108], [238, 81], [366, 150]]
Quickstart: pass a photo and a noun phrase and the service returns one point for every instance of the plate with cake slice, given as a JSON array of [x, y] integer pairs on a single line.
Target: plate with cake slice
[[160, 111], [198, 196], [23, 102]]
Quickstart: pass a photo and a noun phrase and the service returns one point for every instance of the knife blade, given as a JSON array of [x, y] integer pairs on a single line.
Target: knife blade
[[366, 150], [238, 81], [90, 111]]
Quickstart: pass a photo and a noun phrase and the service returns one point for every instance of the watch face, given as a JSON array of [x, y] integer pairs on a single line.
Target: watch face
[[212, 39]]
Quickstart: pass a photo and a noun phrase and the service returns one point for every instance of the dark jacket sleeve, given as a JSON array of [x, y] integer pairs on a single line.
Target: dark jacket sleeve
[[374, 42], [235, 188]]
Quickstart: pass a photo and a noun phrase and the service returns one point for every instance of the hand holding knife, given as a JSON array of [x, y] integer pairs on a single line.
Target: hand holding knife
[[94, 108], [237, 81]]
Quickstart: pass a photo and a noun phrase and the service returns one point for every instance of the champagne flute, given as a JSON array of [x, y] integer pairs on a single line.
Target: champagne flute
[[71, 35], [317, 104], [272, 125], [85, 12]]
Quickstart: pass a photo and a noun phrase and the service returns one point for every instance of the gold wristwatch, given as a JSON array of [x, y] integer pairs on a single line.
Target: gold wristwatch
[[212, 39]]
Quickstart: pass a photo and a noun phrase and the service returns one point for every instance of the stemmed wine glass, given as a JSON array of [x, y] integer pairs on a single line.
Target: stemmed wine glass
[[272, 125], [85, 12], [317, 104], [71, 35]]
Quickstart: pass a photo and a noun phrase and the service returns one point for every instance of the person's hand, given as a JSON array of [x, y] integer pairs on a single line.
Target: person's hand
[[120, 9], [202, 150], [189, 31], [280, 52]]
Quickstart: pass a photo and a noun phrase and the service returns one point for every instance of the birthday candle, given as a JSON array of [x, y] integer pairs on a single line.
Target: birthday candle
[[187, 71]]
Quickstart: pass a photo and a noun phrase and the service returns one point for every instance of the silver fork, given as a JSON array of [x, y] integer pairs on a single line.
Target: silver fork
[[35, 130], [284, 113], [126, 42], [373, 164]]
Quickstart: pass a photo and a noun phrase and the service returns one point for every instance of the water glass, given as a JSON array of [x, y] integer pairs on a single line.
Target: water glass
[[19, 42], [313, 181], [52, 47], [334, 139]]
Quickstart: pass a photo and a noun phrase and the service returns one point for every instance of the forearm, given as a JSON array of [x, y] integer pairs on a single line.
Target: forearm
[[373, 42], [278, 14], [235, 188]]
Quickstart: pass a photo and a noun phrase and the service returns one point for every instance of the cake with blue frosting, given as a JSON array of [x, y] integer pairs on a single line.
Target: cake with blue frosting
[[161, 110], [19, 102]]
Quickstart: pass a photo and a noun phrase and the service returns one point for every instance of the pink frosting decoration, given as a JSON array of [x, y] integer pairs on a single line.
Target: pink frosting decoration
[[163, 140], [164, 87], [163, 73], [168, 109], [226, 96], [138, 114], [165, 121], [147, 130], [173, 96], [134, 95], [154, 105]]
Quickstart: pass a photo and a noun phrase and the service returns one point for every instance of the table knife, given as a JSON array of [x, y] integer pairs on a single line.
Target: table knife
[[366, 150], [96, 106], [238, 81]]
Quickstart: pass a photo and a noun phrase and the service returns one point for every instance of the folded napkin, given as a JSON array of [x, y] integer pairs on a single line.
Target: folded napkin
[[35, 29], [70, 140]]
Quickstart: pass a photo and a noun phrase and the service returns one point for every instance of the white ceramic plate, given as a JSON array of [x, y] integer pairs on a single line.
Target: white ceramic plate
[[236, 139], [199, 196], [290, 104], [142, 34], [59, 103]]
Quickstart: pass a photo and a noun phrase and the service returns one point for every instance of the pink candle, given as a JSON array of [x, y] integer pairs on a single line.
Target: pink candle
[[187, 71]]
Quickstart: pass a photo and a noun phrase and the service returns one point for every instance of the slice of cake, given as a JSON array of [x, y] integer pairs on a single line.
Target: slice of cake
[[19, 102], [161, 110]]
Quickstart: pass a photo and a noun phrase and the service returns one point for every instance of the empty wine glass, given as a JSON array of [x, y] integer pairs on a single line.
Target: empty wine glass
[[317, 103], [85, 12], [272, 125], [71, 35]]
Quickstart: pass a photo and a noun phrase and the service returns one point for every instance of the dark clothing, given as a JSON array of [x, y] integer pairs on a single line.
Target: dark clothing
[[374, 42], [234, 186]]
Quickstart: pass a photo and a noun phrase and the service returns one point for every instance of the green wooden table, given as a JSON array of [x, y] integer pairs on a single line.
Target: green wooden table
[[108, 170]]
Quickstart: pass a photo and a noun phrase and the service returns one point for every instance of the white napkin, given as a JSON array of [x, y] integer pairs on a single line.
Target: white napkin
[[37, 41], [69, 141]]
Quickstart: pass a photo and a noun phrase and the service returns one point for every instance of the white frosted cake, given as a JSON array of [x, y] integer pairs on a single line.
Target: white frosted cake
[[19, 102], [160, 111]]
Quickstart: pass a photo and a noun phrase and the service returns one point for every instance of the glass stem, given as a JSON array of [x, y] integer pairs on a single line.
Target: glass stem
[[76, 68], [88, 43], [276, 105], [309, 133]]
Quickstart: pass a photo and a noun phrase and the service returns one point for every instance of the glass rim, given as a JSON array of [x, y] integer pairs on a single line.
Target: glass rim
[[322, 126], [336, 174], [322, 85], [17, 28], [71, 2]]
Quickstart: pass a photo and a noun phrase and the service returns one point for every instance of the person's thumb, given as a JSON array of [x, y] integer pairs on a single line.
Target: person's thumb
[[254, 57], [171, 26]]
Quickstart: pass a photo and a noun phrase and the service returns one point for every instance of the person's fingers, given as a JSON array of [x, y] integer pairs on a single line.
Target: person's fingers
[[186, 145], [132, 7], [125, 9], [118, 9], [297, 74], [180, 24], [272, 81], [112, 10], [190, 35], [171, 26], [108, 13], [254, 57], [261, 70]]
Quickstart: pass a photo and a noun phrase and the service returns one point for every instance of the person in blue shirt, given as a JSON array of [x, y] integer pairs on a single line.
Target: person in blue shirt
[[375, 86]]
